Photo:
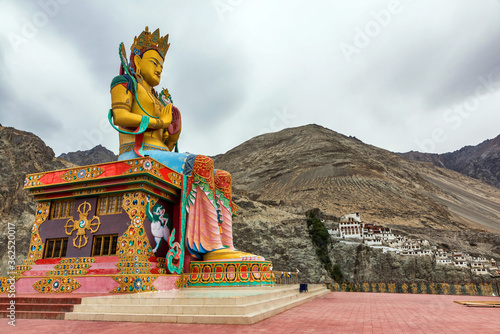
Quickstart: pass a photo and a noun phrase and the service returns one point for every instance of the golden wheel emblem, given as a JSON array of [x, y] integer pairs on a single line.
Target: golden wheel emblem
[[81, 225]]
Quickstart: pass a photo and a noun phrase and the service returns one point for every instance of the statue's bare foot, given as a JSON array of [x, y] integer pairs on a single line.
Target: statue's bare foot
[[228, 254]]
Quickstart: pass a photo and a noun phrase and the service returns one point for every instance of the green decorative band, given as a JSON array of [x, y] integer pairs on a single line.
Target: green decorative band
[[177, 249], [129, 147], [223, 199], [141, 129]]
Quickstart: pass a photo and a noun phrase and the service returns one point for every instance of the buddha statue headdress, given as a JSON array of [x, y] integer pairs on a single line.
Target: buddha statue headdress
[[142, 43], [150, 41]]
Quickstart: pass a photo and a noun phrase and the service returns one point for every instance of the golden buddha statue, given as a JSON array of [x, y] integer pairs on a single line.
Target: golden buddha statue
[[150, 125]]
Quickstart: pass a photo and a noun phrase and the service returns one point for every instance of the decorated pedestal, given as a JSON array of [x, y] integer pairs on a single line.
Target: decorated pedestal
[[118, 227], [96, 229]]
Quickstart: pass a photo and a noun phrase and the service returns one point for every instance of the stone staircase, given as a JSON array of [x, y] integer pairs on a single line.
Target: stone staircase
[[246, 305], [38, 307]]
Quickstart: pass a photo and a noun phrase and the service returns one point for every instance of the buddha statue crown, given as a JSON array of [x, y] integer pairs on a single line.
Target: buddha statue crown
[[150, 41]]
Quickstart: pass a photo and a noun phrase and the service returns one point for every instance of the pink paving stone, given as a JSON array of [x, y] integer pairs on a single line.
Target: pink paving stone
[[338, 312]]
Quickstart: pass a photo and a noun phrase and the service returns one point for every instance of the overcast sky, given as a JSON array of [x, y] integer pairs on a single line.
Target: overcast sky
[[401, 75]]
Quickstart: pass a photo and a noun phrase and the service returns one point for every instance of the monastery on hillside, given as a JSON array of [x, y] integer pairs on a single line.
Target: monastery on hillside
[[352, 228]]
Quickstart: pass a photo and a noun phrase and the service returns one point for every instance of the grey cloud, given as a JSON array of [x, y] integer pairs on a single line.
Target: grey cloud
[[269, 55], [94, 36], [210, 86], [38, 119], [479, 62]]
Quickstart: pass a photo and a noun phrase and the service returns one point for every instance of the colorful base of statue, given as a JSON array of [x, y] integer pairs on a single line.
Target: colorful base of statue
[[151, 222]]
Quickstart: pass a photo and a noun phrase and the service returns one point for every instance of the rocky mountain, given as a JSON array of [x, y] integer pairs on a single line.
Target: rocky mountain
[[433, 158], [24, 153], [481, 161], [98, 154], [279, 177], [314, 167], [21, 153]]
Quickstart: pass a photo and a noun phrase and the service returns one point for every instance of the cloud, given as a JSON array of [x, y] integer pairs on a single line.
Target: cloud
[[235, 74]]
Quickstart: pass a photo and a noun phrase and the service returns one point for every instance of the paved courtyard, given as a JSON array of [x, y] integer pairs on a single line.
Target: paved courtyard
[[338, 312]]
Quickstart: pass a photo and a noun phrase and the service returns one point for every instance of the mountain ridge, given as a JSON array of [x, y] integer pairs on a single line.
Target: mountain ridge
[[481, 161], [313, 166], [98, 154], [21, 153]]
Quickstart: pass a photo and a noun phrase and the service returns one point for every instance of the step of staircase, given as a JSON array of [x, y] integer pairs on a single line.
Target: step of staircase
[[197, 305], [38, 307]]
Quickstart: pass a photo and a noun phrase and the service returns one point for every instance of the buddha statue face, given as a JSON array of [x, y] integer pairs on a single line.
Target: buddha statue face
[[149, 66]]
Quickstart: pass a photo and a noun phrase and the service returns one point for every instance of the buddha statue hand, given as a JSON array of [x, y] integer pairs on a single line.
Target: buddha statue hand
[[176, 124], [164, 120], [173, 130]]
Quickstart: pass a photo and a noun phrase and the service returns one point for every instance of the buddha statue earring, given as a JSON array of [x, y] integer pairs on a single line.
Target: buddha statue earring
[[138, 75]]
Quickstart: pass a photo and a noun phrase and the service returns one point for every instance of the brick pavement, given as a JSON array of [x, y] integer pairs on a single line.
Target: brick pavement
[[338, 312]]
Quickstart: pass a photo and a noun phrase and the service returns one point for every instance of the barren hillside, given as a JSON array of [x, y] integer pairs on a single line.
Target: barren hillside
[[311, 166]]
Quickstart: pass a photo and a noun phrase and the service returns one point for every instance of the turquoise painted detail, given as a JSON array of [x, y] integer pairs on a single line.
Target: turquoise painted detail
[[142, 127], [177, 250], [259, 283], [223, 199], [126, 68]]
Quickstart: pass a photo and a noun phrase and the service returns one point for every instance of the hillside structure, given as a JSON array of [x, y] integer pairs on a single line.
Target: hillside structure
[[352, 228]]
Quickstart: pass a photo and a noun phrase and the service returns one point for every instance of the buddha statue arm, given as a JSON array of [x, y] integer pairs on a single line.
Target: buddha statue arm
[[121, 103]]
